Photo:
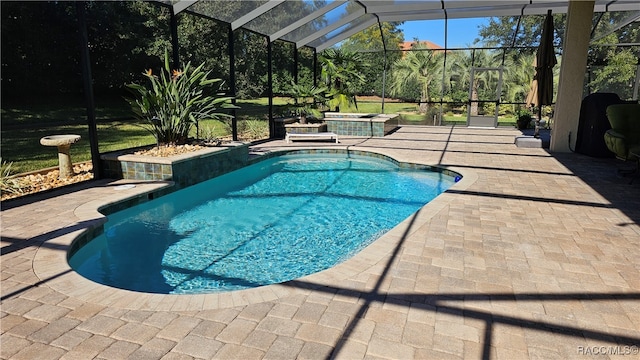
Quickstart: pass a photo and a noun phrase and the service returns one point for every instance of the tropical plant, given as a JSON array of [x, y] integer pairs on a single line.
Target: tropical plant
[[307, 100], [518, 75], [8, 183], [255, 129], [420, 66], [210, 133], [523, 119], [176, 101], [342, 74]]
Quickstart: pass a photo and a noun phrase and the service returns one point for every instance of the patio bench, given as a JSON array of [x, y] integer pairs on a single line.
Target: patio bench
[[328, 135]]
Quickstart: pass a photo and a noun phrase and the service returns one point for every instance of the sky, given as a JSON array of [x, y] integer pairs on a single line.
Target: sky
[[461, 32]]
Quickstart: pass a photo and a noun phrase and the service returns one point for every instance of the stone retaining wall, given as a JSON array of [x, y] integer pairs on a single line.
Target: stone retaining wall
[[183, 170]]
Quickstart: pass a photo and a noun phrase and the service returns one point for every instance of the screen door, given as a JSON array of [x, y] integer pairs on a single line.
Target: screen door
[[485, 89]]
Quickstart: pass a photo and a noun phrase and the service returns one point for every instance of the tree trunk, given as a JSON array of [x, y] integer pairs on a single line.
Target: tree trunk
[[424, 106], [474, 102]]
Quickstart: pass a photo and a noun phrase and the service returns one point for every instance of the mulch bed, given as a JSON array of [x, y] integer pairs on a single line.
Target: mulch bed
[[34, 182]]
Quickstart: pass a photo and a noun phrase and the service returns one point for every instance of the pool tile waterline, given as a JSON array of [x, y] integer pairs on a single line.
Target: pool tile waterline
[[353, 124], [293, 208]]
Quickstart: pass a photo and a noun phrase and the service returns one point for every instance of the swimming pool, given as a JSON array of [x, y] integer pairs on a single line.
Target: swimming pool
[[274, 221]]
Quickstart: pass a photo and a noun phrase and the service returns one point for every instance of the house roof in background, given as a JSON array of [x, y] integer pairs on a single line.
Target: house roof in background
[[407, 45]]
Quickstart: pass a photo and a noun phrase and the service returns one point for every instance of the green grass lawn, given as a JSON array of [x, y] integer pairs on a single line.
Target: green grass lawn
[[376, 107], [23, 126], [61, 110], [22, 147], [259, 108]]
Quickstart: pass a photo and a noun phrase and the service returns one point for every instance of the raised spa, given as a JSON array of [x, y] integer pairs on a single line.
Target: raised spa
[[274, 221]]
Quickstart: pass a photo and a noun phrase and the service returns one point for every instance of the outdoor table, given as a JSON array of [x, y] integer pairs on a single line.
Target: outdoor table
[[63, 143]]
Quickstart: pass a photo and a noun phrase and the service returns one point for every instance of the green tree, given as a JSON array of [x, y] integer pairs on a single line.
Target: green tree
[[518, 75], [39, 49], [499, 32], [250, 47], [342, 75], [420, 67], [251, 64], [204, 41], [305, 66], [618, 73], [369, 43], [613, 68], [137, 31]]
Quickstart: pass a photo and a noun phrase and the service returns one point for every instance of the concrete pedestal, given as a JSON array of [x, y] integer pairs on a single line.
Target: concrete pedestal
[[63, 143]]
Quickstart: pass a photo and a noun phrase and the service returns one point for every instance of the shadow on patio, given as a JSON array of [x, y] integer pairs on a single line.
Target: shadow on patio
[[464, 305]]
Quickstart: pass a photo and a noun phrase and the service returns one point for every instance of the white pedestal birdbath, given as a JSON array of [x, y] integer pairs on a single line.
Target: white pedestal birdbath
[[63, 142]]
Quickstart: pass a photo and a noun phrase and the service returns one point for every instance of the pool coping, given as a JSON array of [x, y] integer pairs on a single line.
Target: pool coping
[[51, 267]]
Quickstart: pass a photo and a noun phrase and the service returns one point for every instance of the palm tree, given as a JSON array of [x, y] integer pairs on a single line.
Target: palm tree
[[342, 74], [518, 75], [420, 66], [307, 100], [461, 66]]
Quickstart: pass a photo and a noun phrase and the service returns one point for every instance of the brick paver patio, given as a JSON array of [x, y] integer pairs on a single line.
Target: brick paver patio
[[531, 256]]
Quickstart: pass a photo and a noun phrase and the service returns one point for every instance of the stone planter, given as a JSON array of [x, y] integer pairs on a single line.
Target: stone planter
[[280, 131], [184, 169]]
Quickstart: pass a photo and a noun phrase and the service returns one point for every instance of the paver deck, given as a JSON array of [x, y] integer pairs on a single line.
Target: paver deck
[[531, 255]]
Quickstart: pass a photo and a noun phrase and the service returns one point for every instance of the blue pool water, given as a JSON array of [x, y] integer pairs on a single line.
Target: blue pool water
[[277, 220]]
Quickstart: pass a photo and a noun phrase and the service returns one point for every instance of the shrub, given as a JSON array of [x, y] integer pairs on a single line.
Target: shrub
[[175, 101], [523, 119], [255, 129], [8, 183]]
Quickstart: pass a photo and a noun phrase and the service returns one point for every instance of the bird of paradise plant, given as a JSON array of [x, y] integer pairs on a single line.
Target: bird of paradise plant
[[176, 100]]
